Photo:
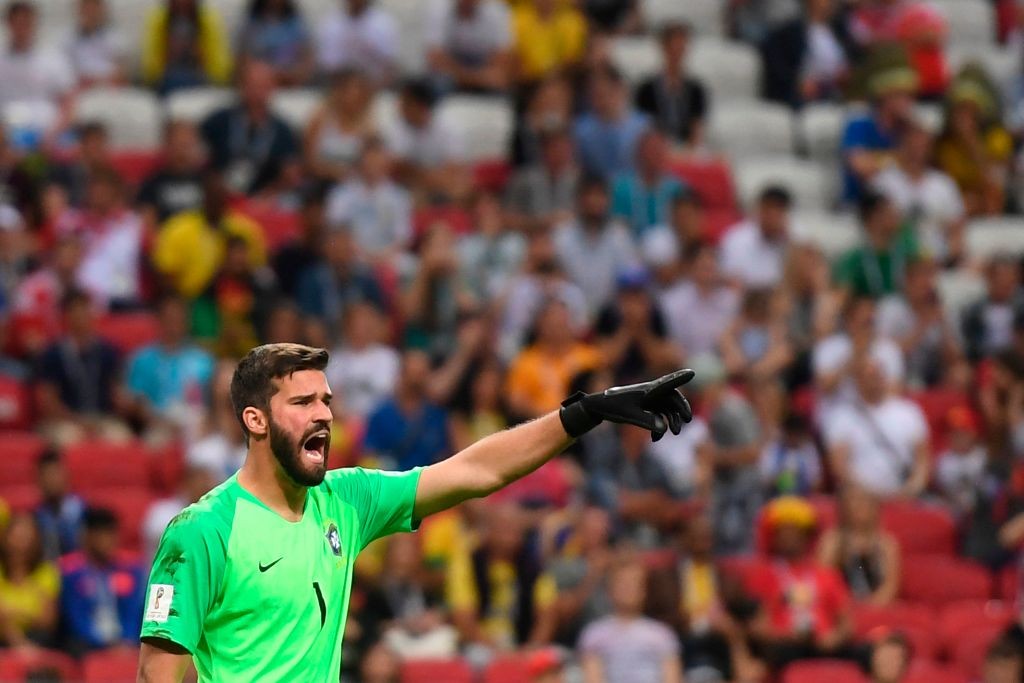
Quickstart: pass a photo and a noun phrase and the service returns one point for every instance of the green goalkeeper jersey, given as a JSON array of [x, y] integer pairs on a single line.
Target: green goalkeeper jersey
[[254, 597]]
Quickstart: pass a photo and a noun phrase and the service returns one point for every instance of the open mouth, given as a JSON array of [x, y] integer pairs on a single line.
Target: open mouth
[[315, 447]]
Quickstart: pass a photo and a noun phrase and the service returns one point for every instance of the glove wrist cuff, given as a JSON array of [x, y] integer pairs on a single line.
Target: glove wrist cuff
[[575, 419]]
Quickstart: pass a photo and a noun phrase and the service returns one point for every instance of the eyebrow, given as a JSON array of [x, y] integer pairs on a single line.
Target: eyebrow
[[309, 397]]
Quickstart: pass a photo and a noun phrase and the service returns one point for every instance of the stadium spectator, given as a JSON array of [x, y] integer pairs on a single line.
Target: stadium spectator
[[890, 658], [484, 411], [36, 81], [407, 429], [176, 185], [987, 324], [548, 109], [627, 646], [247, 141], [190, 247], [811, 301], [1003, 661], [468, 44], [358, 35], [493, 252], [195, 482], [434, 296], [185, 45], [15, 252], [542, 195], [859, 548], [18, 187], [59, 513], [960, 471], [305, 252], [275, 33], [499, 596], [363, 370], [541, 373], [594, 248], [338, 131], [790, 461], [805, 59], [549, 38], [169, 378], [28, 586], [750, 20], [753, 253], [878, 266], [878, 441], [869, 139], [804, 608], [644, 197], [76, 379], [102, 592], [96, 49], [218, 447], [608, 133], [72, 178], [756, 346], [703, 294], [686, 221], [578, 564], [927, 197], [35, 304], [677, 102]]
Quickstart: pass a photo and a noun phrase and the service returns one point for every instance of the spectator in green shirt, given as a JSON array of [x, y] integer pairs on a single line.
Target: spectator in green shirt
[[876, 268]]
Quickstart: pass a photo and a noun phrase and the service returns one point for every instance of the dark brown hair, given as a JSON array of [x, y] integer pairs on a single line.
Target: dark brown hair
[[253, 381]]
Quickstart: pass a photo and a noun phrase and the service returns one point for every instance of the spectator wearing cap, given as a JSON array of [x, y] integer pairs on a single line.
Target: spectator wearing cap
[[878, 267], [753, 252], [358, 34], [644, 197], [549, 37], [626, 646], [59, 512], [542, 195], [36, 80], [877, 440], [804, 60], [275, 32], [595, 247], [96, 48], [102, 592], [701, 295], [987, 325], [804, 607], [608, 133], [961, 468], [176, 185], [185, 45], [247, 141], [677, 102], [469, 44], [190, 248], [28, 585], [870, 138]]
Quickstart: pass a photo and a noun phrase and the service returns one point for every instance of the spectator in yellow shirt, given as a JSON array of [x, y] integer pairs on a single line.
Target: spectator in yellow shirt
[[185, 46], [28, 586], [549, 35], [540, 375], [190, 248]]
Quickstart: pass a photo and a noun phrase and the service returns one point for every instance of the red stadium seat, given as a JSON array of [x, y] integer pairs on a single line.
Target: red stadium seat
[[15, 404], [916, 622], [492, 175], [37, 665], [21, 498], [711, 179], [928, 671], [506, 670], [936, 404], [743, 570], [129, 504], [454, 217], [937, 579], [973, 616], [99, 465], [19, 452], [1009, 583], [920, 529], [435, 671], [820, 670], [279, 226], [129, 331], [968, 653], [135, 166], [110, 666]]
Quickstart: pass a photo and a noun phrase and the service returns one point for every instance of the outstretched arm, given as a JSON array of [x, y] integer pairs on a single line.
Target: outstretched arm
[[500, 459]]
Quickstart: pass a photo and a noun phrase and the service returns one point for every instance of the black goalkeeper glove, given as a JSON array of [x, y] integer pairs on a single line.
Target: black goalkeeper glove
[[657, 406]]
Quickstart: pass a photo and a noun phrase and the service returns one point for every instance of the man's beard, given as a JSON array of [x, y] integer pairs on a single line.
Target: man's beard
[[288, 452]]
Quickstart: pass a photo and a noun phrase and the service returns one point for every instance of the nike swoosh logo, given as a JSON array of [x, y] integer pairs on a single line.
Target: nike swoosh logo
[[265, 567]]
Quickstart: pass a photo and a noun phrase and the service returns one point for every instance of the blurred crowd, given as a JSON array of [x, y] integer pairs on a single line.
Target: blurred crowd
[[459, 298]]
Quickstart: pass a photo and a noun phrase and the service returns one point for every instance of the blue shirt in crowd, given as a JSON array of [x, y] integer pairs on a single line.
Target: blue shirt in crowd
[[407, 441], [643, 206], [101, 606], [163, 376], [862, 133], [606, 148]]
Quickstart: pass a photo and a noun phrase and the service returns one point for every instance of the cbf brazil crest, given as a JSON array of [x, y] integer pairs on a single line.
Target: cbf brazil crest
[[333, 539]]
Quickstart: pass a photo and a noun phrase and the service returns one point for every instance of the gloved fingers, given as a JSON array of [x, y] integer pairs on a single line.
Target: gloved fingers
[[675, 421], [637, 416], [667, 384], [682, 406]]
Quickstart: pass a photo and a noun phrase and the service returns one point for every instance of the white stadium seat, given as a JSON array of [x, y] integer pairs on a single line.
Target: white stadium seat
[[133, 116], [730, 70], [296, 106], [195, 104], [408, 15], [385, 110], [832, 233], [705, 16], [821, 130], [636, 57], [987, 237], [485, 123], [957, 289], [1001, 64], [970, 21], [753, 130], [810, 184]]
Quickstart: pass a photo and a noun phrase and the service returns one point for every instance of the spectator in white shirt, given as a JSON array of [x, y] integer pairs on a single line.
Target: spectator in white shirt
[[469, 44], [376, 209], [701, 296], [926, 196], [878, 441], [754, 251], [832, 357], [97, 50], [362, 369], [358, 35], [195, 482], [36, 81]]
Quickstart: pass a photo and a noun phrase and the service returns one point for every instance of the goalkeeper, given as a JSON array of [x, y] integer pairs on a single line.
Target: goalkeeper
[[252, 582]]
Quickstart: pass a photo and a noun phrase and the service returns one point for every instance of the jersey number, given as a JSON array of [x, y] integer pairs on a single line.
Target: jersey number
[[320, 601]]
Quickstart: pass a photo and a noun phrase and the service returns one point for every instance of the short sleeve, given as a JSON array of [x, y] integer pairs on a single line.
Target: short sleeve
[[188, 569], [837, 429], [384, 501]]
